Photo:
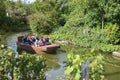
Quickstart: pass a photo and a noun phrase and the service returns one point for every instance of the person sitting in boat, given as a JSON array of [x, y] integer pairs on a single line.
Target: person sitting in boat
[[36, 37], [47, 42], [24, 40], [37, 42], [41, 42], [30, 40]]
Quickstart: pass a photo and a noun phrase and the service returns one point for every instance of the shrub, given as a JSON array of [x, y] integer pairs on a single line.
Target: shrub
[[39, 23], [21, 67], [113, 33]]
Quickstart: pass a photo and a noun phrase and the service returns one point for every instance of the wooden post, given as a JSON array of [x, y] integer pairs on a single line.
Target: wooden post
[[85, 70], [102, 22]]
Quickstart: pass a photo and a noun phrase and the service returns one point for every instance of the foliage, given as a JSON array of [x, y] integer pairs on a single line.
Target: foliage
[[113, 34], [96, 68], [75, 62], [30, 67], [3, 43], [23, 66], [39, 23], [2, 9], [47, 15], [95, 39], [2, 14], [92, 13], [16, 7], [8, 19]]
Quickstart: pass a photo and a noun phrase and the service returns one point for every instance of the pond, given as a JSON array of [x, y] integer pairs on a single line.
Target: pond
[[56, 66], [54, 61]]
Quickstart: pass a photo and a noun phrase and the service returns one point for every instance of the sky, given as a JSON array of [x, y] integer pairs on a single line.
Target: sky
[[27, 1]]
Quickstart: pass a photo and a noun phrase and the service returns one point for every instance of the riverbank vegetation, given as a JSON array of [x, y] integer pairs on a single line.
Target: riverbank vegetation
[[94, 25], [23, 66]]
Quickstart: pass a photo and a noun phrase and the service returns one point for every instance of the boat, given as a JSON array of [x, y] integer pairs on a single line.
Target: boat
[[31, 48]]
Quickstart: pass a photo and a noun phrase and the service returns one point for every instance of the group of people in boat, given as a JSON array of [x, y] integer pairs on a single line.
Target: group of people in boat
[[35, 40]]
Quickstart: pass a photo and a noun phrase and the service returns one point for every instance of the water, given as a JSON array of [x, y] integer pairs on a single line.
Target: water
[[55, 63], [112, 67]]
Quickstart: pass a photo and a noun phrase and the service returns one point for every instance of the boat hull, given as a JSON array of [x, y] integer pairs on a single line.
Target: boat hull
[[46, 48]]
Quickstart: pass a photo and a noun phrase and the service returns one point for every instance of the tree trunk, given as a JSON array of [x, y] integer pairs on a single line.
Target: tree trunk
[[102, 22]]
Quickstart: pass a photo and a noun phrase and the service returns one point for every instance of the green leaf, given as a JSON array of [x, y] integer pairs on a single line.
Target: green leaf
[[69, 70], [77, 76]]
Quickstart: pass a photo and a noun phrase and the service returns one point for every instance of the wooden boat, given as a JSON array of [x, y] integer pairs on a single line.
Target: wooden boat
[[46, 48]]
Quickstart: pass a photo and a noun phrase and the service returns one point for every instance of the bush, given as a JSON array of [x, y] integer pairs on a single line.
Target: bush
[[21, 67], [39, 23], [113, 34]]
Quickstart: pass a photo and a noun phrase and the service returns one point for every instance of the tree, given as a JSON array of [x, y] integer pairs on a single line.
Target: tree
[[49, 14], [40, 24], [93, 13]]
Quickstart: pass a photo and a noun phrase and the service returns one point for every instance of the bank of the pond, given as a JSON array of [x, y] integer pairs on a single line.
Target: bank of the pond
[[96, 39]]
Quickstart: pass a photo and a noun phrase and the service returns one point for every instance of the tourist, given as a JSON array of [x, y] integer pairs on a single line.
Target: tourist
[[37, 42], [41, 42], [24, 40], [47, 40]]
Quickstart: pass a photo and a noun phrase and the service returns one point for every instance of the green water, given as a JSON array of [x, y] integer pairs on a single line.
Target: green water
[[55, 61], [112, 67]]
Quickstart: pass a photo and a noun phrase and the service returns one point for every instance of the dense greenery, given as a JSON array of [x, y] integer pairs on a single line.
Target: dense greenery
[[11, 16], [23, 66], [46, 16], [93, 13], [113, 34], [96, 39]]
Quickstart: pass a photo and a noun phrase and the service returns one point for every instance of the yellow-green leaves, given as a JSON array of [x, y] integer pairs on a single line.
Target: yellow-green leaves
[[69, 70]]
